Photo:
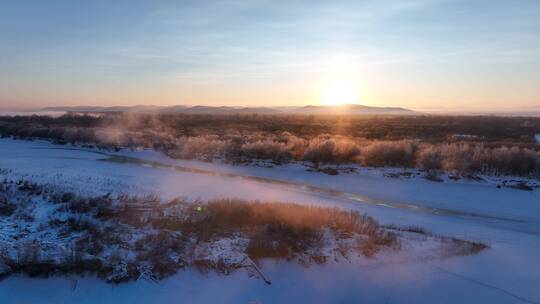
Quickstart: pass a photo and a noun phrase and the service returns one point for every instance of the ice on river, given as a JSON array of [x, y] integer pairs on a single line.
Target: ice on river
[[507, 219]]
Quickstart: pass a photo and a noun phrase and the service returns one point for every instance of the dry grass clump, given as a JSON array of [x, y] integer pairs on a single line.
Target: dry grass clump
[[281, 229], [233, 214]]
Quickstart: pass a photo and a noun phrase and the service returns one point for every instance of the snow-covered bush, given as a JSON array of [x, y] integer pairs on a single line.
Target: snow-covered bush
[[266, 149], [389, 153]]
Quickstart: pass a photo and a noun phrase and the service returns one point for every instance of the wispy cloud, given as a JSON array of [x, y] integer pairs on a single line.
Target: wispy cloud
[[149, 45]]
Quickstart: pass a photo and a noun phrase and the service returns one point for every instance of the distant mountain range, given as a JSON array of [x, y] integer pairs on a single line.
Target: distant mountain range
[[350, 109]]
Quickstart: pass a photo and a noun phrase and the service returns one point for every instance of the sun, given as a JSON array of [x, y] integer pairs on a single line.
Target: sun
[[339, 93]]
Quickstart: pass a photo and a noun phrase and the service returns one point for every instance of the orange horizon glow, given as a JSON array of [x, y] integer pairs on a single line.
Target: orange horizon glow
[[295, 54]]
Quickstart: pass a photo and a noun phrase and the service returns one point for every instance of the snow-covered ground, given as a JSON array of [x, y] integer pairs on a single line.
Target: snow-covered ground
[[506, 219]]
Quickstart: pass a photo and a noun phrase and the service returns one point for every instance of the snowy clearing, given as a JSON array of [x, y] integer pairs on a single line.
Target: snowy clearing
[[507, 219]]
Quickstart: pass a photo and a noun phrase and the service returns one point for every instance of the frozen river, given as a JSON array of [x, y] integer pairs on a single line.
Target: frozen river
[[506, 219]]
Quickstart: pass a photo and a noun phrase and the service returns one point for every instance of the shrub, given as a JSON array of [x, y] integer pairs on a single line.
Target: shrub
[[466, 158], [514, 161], [266, 149], [320, 150], [346, 151], [429, 158], [201, 148], [389, 153]]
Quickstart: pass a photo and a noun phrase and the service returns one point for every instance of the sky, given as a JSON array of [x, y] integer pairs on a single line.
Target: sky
[[418, 54]]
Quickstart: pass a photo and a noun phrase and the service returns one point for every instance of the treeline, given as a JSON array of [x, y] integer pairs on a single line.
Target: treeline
[[240, 139], [488, 129]]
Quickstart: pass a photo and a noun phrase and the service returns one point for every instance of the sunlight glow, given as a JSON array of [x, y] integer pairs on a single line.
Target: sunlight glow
[[339, 93]]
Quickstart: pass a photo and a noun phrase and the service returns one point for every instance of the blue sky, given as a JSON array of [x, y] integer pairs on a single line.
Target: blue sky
[[419, 53]]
